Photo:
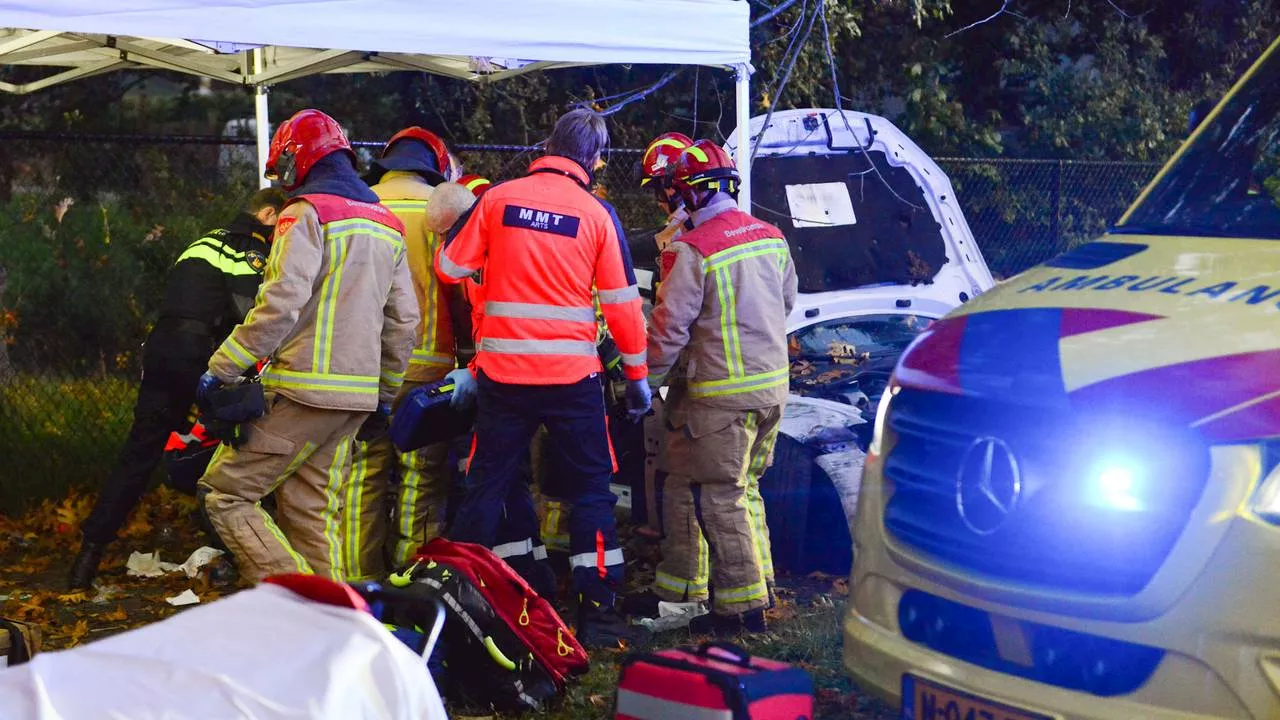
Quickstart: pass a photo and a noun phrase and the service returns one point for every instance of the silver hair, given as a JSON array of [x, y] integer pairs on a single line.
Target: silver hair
[[579, 135]]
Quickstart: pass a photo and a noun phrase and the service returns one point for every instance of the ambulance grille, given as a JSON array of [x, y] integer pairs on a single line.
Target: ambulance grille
[[1056, 535]]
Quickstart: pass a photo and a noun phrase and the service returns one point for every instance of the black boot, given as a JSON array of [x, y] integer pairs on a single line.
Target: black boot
[[85, 567], [600, 625], [752, 621]]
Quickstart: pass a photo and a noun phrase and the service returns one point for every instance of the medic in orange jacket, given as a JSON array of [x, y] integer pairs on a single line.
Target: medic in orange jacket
[[541, 249]]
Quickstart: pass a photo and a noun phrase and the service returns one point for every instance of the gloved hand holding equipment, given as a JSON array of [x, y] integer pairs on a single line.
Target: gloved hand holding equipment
[[464, 388], [427, 415], [208, 383], [639, 400], [377, 425], [226, 408]]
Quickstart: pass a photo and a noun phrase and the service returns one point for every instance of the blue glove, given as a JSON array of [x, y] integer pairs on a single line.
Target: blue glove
[[639, 399], [464, 388], [208, 383]]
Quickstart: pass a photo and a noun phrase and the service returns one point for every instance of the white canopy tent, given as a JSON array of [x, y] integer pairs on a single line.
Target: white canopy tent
[[259, 43]]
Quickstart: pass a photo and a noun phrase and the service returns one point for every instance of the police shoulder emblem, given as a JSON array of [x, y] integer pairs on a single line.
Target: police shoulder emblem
[[255, 260]]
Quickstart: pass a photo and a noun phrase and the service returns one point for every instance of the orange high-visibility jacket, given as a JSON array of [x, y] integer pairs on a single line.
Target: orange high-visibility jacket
[[544, 242]]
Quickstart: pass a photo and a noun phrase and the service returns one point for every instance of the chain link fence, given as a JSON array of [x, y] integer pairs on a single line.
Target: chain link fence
[[90, 224]]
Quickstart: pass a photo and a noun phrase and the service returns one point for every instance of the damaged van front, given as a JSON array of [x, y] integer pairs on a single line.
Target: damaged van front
[[1071, 504]]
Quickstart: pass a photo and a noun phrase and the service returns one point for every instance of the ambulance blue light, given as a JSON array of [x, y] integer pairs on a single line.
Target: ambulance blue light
[[1115, 486]]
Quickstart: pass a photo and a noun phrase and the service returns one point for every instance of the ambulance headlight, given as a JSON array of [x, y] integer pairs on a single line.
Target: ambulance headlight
[[882, 416], [1117, 483]]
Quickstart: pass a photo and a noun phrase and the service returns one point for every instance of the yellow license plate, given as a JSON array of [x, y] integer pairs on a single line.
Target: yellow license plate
[[925, 700]]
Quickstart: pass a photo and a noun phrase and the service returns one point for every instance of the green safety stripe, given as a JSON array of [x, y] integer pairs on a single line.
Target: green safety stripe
[[355, 499], [754, 591], [410, 488], [405, 205], [722, 278], [737, 368], [303, 455], [239, 353], [321, 351], [741, 252], [333, 496], [779, 252], [423, 356], [350, 228], [754, 518], [234, 264], [736, 385], [392, 378], [679, 585], [319, 381]]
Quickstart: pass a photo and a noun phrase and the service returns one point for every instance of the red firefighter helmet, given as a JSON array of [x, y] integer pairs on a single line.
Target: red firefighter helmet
[[476, 184], [300, 142], [661, 156], [704, 165], [428, 138]]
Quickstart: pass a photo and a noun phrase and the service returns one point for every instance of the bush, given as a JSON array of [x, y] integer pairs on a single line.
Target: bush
[[59, 432]]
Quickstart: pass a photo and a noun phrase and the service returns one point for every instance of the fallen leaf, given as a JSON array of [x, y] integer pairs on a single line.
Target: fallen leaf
[[73, 598], [596, 700], [78, 633], [116, 615]]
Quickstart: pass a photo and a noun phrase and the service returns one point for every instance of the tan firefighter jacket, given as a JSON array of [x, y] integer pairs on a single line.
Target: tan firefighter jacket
[[335, 314], [406, 194], [728, 286]]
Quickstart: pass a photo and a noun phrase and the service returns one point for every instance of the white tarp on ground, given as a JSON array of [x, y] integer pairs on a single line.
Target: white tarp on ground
[[264, 653], [478, 37]]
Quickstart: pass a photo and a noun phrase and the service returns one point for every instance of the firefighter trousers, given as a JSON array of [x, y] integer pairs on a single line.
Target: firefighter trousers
[[716, 540], [303, 455], [576, 422], [384, 519]]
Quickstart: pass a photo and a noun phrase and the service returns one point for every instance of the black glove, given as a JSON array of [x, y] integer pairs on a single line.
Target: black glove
[[376, 426]]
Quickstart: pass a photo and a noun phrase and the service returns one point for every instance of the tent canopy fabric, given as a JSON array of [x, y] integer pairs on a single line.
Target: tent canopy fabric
[[475, 40]]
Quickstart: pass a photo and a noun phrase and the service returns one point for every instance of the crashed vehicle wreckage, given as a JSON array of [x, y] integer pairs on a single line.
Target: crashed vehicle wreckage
[[882, 250]]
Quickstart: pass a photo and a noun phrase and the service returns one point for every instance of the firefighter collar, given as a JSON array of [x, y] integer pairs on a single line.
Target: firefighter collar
[[720, 204]]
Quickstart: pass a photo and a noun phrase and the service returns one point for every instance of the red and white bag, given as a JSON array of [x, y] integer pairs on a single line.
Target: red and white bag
[[716, 681]]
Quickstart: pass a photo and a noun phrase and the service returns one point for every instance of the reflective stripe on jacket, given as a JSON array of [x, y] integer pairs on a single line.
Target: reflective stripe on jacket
[[336, 312], [543, 241], [728, 286], [407, 194]]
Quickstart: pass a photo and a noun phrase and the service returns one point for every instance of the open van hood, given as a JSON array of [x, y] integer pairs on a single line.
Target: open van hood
[[862, 205]]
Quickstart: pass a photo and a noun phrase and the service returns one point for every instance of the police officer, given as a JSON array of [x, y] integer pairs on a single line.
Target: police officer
[[729, 286], [544, 241], [337, 318], [209, 290], [413, 163]]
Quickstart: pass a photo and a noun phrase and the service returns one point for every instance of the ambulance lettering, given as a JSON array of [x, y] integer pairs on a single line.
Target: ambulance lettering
[[1227, 291]]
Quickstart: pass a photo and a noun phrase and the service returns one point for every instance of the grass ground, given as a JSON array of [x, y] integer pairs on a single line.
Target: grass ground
[[36, 548]]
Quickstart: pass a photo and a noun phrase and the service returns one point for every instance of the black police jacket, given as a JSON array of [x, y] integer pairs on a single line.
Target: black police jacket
[[211, 288]]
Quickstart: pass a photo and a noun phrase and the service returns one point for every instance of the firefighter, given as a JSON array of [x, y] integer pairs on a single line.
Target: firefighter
[[412, 164], [730, 285], [209, 290], [656, 163], [337, 317], [544, 241]]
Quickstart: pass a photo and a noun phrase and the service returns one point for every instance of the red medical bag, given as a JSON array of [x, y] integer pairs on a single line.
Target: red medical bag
[[716, 681]]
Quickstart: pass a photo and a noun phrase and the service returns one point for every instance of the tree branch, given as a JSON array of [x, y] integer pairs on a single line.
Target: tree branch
[[1003, 7]]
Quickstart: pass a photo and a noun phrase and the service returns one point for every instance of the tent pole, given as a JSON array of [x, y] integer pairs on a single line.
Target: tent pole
[[262, 121], [743, 106]]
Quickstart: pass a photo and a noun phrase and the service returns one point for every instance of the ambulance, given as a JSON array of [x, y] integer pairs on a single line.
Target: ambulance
[[1070, 508]]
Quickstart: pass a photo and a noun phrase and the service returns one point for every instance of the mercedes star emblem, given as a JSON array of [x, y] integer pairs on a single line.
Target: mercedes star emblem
[[988, 485]]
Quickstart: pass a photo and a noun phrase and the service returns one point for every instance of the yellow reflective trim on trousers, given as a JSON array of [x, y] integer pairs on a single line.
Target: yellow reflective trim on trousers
[[333, 494], [755, 519], [679, 585], [747, 593], [239, 353], [353, 510], [303, 455], [410, 489]]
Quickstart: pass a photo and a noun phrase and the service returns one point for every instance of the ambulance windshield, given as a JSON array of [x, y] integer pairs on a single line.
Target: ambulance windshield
[[1227, 183]]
